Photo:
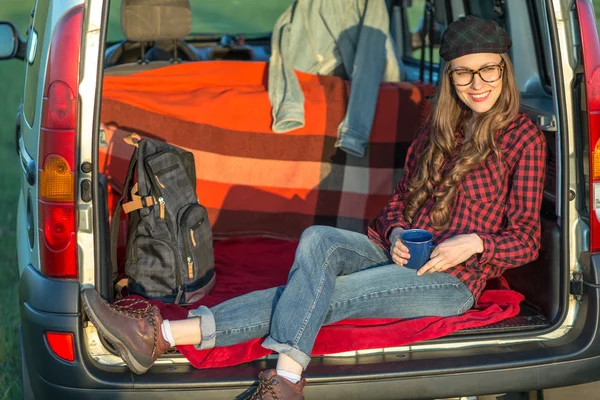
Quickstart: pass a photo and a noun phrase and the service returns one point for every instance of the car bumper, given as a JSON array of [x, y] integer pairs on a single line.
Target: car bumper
[[53, 305]]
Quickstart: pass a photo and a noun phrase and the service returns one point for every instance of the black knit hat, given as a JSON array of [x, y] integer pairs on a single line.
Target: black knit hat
[[470, 35]]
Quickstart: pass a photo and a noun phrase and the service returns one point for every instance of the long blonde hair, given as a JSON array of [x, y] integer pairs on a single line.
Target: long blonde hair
[[447, 116]]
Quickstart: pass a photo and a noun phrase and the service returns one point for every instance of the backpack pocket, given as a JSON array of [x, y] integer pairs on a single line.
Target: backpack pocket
[[169, 178], [150, 268], [198, 247]]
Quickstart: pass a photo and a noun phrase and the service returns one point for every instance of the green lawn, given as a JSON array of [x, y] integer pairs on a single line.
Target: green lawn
[[11, 84]]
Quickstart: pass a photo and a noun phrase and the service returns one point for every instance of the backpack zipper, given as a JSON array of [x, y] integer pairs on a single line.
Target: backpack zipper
[[192, 237], [190, 267], [161, 201], [192, 240], [155, 184], [190, 261], [162, 205], [159, 182], [178, 278]]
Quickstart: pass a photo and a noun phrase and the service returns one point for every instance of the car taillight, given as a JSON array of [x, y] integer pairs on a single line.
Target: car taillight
[[57, 186], [591, 65]]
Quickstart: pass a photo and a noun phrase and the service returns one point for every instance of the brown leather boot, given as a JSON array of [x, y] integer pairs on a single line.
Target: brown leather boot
[[134, 332], [274, 387]]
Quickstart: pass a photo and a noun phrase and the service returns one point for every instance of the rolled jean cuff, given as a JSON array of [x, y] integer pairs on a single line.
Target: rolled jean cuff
[[299, 356], [288, 118], [352, 142], [208, 327]]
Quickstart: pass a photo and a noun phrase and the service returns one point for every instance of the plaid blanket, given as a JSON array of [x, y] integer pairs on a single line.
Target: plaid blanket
[[244, 265], [251, 180]]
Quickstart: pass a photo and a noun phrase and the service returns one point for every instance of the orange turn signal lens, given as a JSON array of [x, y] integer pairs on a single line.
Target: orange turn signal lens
[[57, 181]]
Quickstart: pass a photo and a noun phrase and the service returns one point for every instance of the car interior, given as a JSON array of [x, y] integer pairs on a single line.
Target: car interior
[[144, 55]]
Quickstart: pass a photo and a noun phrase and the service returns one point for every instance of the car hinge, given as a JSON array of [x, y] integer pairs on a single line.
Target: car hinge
[[576, 285], [547, 122]]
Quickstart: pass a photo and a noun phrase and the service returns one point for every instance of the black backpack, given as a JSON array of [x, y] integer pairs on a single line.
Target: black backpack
[[169, 255]]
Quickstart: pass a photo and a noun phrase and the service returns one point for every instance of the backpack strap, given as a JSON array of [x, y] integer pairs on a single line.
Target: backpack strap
[[137, 201], [132, 139], [114, 233]]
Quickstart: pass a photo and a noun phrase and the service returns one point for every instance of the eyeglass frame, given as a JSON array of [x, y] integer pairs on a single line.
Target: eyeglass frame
[[501, 65]]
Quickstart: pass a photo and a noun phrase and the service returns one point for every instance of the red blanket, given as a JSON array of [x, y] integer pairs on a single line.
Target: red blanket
[[245, 265]]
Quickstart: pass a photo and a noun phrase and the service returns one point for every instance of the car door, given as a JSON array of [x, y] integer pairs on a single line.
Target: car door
[[27, 133]]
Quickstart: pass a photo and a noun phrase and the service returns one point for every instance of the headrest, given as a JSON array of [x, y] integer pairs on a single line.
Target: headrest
[[152, 20]]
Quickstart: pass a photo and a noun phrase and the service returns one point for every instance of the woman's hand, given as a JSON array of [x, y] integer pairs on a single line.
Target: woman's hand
[[398, 250], [452, 252]]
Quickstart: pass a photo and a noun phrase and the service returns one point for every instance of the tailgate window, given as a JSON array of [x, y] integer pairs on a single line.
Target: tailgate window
[[35, 44]]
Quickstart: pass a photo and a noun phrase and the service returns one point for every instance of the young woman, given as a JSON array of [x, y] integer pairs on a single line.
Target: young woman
[[473, 178]]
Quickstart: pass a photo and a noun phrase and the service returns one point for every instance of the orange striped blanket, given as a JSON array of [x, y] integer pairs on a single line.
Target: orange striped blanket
[[254, 181]]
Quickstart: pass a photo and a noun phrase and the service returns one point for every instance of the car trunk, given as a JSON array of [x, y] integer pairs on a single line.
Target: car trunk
[[233, 142], [241, 210]]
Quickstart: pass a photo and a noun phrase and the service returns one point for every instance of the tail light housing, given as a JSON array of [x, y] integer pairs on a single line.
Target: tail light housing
[[591, 65], [57, 173]]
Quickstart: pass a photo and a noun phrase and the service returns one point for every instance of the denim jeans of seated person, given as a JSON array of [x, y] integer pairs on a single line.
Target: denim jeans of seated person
[[336, 274]]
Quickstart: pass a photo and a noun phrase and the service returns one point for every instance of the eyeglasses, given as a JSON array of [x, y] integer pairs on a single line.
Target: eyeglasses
[[464, 76]]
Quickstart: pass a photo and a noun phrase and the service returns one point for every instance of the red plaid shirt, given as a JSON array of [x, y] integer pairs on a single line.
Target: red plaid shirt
[[499, 200]]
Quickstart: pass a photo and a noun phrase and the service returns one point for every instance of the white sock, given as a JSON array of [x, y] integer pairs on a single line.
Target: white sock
[[165, 327], [290, 376]]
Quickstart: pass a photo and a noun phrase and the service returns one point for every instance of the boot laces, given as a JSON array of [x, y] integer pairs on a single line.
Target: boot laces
[[264, 386], [128, 307]]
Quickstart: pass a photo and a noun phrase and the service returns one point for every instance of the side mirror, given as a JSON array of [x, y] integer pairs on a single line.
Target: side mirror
[[11, 44]]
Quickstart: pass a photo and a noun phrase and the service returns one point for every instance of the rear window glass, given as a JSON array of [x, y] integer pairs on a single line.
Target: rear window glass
[[32, 77], [249, 18], [493, 10], [420, 33]]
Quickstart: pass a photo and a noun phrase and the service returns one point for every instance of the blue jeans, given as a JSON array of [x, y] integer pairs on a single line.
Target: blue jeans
[[325, 37], [337, 274]]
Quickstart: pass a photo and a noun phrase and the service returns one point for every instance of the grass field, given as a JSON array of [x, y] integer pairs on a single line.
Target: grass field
[[11, 85]]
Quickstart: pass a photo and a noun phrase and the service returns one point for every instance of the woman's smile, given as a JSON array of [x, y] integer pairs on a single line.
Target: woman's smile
[[480, 97]]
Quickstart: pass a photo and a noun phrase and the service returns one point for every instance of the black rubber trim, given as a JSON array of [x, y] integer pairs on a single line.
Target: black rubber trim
[[562, 133], [419, 388], [47, 294], [517, 323], [101, 245], [103, 274], [44, 366]]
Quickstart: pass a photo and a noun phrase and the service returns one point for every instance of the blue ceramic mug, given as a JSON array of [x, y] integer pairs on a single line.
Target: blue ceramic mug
[[419, 246]]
